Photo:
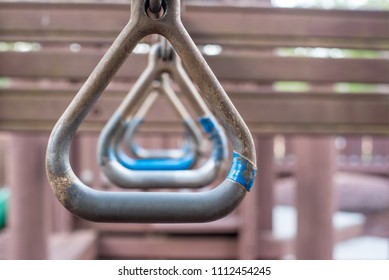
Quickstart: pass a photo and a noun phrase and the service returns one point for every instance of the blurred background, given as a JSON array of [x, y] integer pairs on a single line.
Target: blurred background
[[309, 77]]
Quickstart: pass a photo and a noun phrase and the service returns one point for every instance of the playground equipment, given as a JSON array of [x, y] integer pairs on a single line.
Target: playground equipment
[[95, 205], [30, 110], [116, 166], [193, 140], [172, 159]]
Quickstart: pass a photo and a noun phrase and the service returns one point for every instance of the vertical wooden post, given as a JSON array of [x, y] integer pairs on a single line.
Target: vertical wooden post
[[256, 211], [316, 164], [26, 176], [265, 179]]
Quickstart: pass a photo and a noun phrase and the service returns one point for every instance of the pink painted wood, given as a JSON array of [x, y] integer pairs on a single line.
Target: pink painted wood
[[28, 221]]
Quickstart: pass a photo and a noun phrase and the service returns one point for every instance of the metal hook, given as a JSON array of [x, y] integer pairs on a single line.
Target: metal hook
[[94, 205]]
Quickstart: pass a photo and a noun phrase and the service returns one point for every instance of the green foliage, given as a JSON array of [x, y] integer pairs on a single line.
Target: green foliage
[[291, 86], [4, 82], [329, 53], [19, 46], [355, 87]]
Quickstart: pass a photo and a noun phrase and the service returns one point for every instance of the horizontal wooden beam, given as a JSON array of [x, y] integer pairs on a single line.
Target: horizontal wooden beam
[[273, 112], [212, 23], [154, 247], [369, 167], [228, 225], [184, 247], [233, 67], [286, 27], [77, 245]]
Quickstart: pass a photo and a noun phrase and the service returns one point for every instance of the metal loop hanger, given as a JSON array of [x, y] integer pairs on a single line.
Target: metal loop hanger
[[111, 159], [193, 141], [185, 162], [143, 153], [159, 207]]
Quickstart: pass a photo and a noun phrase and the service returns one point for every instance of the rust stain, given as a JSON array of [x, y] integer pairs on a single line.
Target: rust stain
[[60, 185]]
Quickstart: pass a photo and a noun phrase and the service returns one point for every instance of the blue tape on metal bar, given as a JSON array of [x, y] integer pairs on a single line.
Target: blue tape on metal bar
[[214, 132], [207, 123], [242, 171]]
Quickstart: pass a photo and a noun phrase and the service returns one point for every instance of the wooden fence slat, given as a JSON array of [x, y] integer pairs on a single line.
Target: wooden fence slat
[[233, 67], [231, 25], [76, 245], [227, 225], [326, 113], [168, 248], [183, 247]]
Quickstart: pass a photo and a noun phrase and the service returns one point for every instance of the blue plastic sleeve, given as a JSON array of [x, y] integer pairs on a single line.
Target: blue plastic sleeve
[[149, 164], [207, 124], [242, 171], [155, 164], [214, 131]]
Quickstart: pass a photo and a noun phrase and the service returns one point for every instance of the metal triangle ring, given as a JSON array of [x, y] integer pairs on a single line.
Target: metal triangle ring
[[160, 207]]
